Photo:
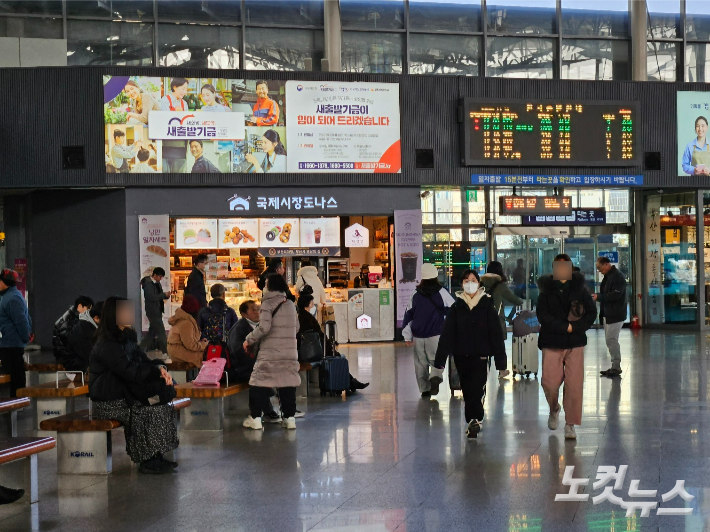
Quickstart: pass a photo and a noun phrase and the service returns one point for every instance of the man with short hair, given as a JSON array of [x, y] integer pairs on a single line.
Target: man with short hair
[[15, 330], [142, 167], [154, 298], [266, 110], [202, 165], [275, 266], [81, 339], [195, 284], [63, 328], [217, 318], [120, 153], [612, 302]]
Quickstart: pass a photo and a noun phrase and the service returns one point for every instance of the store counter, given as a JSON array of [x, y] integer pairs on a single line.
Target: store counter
[[377, 305]]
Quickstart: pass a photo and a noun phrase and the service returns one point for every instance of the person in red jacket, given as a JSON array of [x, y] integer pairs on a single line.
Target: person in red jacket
[[266, 110]]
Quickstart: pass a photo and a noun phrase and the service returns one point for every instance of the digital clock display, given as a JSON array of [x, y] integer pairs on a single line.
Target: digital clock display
[[535, 205], [549, 133]]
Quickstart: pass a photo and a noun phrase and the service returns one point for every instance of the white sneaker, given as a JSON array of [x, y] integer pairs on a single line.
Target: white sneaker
[[288, 423], [253, 423], [299, 414], [554, 419], [570, 434]]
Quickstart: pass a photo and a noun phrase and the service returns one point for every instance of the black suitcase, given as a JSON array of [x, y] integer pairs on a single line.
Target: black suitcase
[[334, 371]]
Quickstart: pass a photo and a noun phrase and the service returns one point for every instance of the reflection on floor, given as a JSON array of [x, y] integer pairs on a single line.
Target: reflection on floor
[[387, 460]]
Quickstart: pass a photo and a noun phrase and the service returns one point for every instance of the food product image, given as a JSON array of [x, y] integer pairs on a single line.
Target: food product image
[[248, 237], [189, 237], [203, 235], [158, 250], [226, 232], [286, 234], [273, 233]]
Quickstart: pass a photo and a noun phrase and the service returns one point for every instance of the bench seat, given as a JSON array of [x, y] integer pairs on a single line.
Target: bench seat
[[209, 392], [18, 448], [207, 409], [52, 401], [12, 406], [45, 368], [4, 378]]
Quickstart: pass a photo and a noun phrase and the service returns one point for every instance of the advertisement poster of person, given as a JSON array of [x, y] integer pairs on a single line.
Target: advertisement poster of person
[[693, 148], [336, 127], [408, 247], [154, 239]]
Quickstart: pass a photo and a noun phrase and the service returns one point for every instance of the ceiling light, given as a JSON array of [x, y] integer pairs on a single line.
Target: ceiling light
[[185, 38]]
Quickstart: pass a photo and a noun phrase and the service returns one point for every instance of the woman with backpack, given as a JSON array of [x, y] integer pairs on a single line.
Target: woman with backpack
[[184, 338], [277, 359], [496, 285], [472, 333], [124, 384], [422, 325]]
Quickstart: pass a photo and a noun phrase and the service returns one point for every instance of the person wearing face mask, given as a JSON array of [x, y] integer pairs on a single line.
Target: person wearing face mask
[[422, 325], [472, 333], [565, 310], [307, 322]]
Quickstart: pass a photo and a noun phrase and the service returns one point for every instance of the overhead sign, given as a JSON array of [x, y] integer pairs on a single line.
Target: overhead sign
[[343, 127], [613, 256], [195, 233], [300, 252], [535, 205], [549, 132], [578, 217], [318, 232], [558, 180], [169, 125], [357, 236], [281, 203]]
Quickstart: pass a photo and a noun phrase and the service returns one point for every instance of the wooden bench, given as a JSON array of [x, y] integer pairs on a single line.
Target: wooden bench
[[53, 400], [84, 442], [4, 378], [181, 371], [18, 448], [207, 409], [46, 372], [12, 406]]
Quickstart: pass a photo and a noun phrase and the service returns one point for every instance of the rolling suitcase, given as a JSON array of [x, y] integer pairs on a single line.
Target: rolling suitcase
[[334, 372], [525, 356], [454, 382]]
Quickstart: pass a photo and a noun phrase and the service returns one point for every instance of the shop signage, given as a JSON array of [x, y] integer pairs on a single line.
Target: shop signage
[[559, 180], [320, 232], [578, 217], [300, 252], [408, 262], [535, 205], [169, 125], [364, 322], [275, 203], [613, 256], [357, 236], [154, 250], [196, 233]]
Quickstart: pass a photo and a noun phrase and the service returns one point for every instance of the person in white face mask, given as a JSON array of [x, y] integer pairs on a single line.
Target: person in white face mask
[[473, 334]]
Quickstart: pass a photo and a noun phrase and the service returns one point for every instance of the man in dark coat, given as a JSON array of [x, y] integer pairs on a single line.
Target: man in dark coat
[[63, 328], [566, 311], [195, 285], [612, 299], [81, 339], [202, 165], [154, 309]]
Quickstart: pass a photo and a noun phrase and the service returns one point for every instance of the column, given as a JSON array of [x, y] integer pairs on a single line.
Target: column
[[638, 41], [333, 36], [700, 259]]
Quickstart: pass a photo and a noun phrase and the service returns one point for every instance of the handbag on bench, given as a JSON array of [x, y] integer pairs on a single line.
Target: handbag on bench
[[210, 372]]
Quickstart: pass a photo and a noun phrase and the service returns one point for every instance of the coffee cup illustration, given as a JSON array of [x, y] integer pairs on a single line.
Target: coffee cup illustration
[[409, 266], [316, 235]]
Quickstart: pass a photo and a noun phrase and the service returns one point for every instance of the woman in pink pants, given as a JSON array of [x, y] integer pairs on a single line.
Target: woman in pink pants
[[566, 311]]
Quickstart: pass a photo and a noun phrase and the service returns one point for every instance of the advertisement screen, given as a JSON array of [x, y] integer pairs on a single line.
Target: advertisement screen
[[238, 233], [693, 149], [195, 233], [279, 232], [320, 232], [216, 125]]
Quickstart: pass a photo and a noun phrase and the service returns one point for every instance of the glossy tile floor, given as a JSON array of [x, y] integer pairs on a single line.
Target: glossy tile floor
[[386, 460]]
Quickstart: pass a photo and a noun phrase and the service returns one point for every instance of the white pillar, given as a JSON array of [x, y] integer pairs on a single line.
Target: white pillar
[[333, 36]]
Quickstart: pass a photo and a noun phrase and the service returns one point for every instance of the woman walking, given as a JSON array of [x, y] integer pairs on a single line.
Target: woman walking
[[472, 333], [496, 284], [422, 326], [124, 384], [277, 360], [566, 311]]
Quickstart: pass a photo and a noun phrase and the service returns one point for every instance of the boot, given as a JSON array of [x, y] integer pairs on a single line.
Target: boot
[[357, 385], [9, 495]]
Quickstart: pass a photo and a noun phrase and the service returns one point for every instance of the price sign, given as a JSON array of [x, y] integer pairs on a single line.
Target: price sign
[[535, 205]]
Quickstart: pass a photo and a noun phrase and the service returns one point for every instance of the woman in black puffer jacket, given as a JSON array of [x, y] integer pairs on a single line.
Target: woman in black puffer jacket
[[472, 334], [124, 384]]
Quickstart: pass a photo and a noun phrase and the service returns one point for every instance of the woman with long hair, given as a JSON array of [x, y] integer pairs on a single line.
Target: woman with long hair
[[496, 284], [214, 103], [142, 103], [275, 159], [124, 384], [422, 326]]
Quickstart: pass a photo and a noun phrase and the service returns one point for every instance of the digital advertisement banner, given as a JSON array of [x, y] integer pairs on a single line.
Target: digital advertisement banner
[[693, 149], [215, 125], [154, 239], [408, 247]]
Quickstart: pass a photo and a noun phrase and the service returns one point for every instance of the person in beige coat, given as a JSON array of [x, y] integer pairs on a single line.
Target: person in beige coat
[[184, 337], [308, 275], [277, 357]]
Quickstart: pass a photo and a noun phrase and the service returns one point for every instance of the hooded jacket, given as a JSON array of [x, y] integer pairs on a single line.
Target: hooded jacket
[[308, 275], [184, 339], [472, 328], [424, 317], [499, 291], [15, 322], [154, 298], [553, 306], [277, 361]]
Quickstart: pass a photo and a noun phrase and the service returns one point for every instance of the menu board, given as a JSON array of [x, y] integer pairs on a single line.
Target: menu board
[[320, 232], [196, 233], [279, 232], [535, 205], [238, 233]]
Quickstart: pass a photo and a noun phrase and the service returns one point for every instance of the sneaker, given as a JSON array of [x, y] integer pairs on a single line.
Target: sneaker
[[299, 414], [554, 419], [435, 382], [288, 423], [270, 417], [474, 427], [611, 372], [570, 434], [253, 423]]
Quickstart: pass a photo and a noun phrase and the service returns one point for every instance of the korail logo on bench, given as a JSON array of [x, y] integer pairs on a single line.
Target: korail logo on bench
[[199, 413], [51, 412], [81, 454]]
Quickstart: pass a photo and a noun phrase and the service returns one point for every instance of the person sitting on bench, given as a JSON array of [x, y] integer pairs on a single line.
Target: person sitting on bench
[[125, 385], [81, 338]]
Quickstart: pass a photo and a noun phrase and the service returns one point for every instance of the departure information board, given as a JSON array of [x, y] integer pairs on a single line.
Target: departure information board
[[535, 205], [549, 133]]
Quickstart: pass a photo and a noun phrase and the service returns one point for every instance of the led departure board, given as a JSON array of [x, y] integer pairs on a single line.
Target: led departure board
[[535, 205], [549, 133]]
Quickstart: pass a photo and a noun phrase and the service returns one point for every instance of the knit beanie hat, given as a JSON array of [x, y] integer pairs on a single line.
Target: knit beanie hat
[[190, 304], [8, 276]]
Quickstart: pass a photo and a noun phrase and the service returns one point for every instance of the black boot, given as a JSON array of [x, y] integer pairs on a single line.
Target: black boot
[[154, 466], [357, 385], [169, 462], [9, 495]]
